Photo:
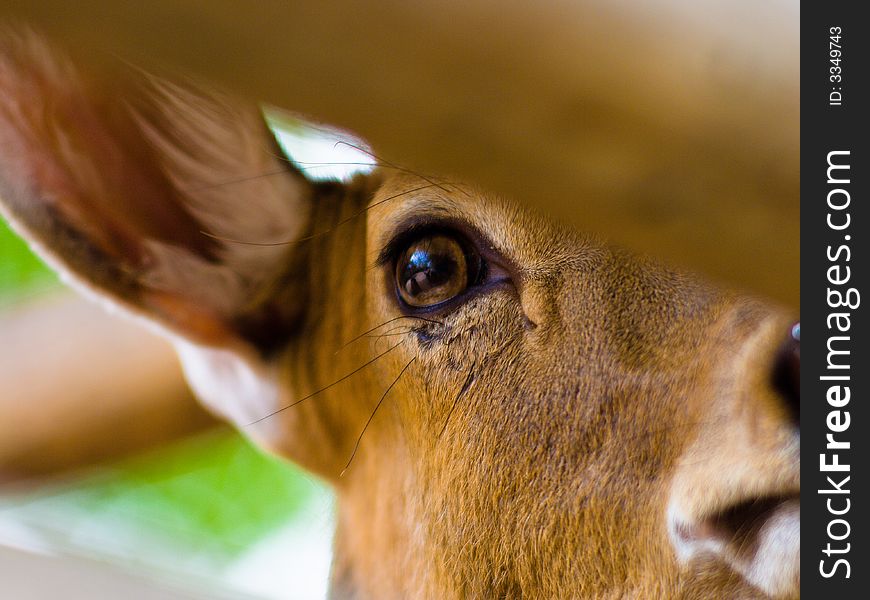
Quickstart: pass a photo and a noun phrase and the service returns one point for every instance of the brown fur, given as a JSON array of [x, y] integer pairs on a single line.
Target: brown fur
[[529, 444]]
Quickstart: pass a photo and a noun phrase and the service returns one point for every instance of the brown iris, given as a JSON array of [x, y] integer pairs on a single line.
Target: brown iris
[[432, 270]]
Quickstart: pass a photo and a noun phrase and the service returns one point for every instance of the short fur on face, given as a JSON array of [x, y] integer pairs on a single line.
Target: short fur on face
[[572, 425]]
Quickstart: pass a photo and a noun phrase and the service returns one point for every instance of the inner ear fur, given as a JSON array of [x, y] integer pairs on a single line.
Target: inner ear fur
[[165, 196]]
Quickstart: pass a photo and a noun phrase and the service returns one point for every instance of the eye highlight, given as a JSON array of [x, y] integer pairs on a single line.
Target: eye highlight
[[435, 268]]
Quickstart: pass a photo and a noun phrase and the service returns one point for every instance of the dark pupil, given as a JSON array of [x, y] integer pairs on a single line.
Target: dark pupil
[[427, 270]]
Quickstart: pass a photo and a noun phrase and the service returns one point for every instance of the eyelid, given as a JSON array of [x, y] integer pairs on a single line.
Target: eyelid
[[418, 228], [405, 236]]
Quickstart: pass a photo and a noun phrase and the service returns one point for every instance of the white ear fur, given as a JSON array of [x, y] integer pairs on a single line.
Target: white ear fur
[[241, 388]]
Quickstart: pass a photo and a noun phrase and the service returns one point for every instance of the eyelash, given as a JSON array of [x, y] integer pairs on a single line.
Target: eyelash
[[393, 248]]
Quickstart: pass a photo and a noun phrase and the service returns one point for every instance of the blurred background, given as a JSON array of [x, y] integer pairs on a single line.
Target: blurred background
[[200, 515]]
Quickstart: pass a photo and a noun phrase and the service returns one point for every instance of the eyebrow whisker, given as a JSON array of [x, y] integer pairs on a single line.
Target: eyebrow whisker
[[383, 162], [321, 233], [387, 322]]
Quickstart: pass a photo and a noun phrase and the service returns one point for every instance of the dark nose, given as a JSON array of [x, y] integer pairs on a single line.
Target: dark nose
[[787, 371]]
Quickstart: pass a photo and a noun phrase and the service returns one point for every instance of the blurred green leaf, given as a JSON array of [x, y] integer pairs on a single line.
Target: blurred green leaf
[[20, 270], [210, 497], [214, 492]]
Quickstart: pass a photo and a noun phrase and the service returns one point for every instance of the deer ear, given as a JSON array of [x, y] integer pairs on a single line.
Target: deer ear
[[171, 200]]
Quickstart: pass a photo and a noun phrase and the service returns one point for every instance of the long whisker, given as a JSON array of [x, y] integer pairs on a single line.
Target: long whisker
[[337, 381], [324, 163], [382, 161], [304, 165], [372, 416], [226, 182], [321, 233], [376, 162]]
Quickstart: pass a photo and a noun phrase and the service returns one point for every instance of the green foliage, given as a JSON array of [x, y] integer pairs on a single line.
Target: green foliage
[[20, 271], [212, 496]]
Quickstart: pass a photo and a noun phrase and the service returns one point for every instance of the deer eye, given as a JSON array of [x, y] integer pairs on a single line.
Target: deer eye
[[434, 269]]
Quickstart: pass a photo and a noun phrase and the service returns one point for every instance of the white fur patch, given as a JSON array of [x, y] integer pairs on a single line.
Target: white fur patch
[[240, 389]]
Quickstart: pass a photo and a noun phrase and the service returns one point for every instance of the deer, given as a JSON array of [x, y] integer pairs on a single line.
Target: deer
[[506, 406]]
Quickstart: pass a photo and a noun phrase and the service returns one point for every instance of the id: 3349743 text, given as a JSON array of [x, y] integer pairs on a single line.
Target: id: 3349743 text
[[835, 77]]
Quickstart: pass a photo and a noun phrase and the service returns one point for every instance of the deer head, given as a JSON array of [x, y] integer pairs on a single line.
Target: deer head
[[506, 407]]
